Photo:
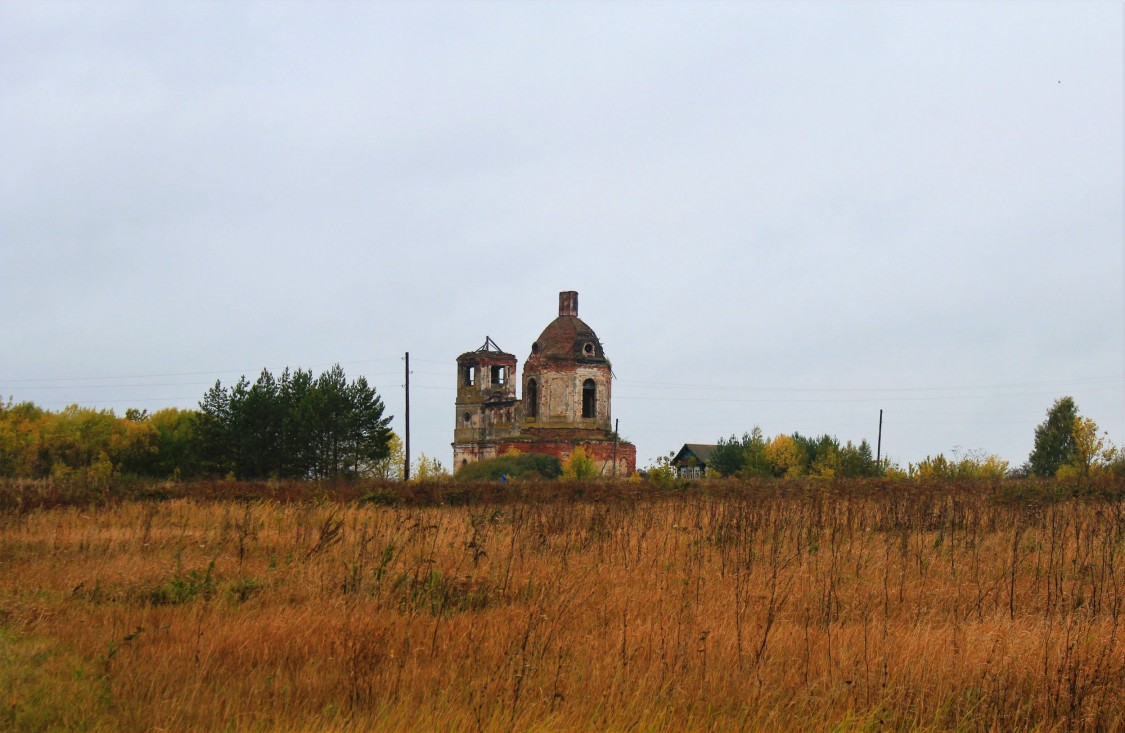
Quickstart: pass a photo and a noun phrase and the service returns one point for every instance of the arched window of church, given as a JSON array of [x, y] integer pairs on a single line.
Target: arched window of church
[[532, 398], [589, 398]]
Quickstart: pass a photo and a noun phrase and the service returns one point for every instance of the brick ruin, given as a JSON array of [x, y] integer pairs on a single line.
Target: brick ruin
[[566, 387]]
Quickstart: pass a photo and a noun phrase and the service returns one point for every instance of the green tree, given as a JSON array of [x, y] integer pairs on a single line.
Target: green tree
[[261, 425], [1054, 439], [825, 462], [755, 462], [331, 417], [177, 444], [809, 449], [744, 456], [857, 461], [369, 436], [237, 432], [215, 431], [295, 427], [729, 456], [298, 448]]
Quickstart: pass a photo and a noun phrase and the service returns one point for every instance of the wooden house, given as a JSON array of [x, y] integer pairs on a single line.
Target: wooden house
[[692, 460]]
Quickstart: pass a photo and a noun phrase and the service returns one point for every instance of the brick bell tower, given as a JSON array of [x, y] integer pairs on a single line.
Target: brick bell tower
[[486, 407]]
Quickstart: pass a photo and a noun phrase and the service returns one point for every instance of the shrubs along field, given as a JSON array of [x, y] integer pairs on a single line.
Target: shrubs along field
[[735, 606], [529, 466]]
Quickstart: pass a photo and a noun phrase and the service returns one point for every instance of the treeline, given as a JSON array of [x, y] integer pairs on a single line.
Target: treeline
[[94, 446], [1067, 445], [753, 456], [297, 426], [292, 426]]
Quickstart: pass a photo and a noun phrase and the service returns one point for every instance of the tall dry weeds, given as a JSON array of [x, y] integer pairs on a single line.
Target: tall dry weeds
[[811, 607]]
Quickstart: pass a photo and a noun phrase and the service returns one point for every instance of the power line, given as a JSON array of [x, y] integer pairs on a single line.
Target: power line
[[110, 386], [190, 374], [837, 400], [124, 376], [659, 398], [131, 399], [1018, 385]]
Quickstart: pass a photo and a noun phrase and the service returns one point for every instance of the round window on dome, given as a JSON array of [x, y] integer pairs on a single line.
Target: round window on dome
[[535, 348], [588, 349]]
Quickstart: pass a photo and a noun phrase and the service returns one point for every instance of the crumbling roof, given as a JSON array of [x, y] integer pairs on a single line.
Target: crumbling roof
[[488, 349], [568, 337]]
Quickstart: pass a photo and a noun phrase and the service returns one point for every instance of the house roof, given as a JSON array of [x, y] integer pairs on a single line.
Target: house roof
[[701, 451]]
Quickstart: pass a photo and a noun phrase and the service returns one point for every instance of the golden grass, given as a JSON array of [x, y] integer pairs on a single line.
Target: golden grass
[[906, 608]]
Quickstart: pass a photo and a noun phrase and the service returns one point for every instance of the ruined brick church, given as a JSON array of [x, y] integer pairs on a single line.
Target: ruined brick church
[[565, 405]]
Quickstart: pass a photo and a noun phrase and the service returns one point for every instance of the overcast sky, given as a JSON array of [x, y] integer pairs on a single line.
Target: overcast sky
[[789, 215]]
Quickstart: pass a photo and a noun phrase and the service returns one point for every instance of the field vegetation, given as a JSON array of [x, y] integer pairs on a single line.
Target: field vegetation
[[797, 604]]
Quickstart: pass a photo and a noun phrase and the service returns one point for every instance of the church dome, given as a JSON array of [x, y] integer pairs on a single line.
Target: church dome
[[568, 337]]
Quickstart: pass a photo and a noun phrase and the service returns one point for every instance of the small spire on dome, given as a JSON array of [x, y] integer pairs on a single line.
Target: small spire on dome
[[568, 303]]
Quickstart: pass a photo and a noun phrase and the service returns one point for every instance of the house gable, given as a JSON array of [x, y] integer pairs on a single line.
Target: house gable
[[692, 460]]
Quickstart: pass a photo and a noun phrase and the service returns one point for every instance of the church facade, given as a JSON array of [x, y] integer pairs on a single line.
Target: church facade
[[565, 402]]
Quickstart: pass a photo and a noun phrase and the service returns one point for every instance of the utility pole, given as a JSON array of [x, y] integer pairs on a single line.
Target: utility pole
[[879, 444], [616, 422], [406, 461]]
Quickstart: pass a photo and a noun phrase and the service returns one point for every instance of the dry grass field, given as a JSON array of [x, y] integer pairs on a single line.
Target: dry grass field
[[774, 606]]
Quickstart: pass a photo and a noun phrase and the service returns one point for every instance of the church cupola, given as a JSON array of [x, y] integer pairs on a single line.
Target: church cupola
[[566, 381]]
